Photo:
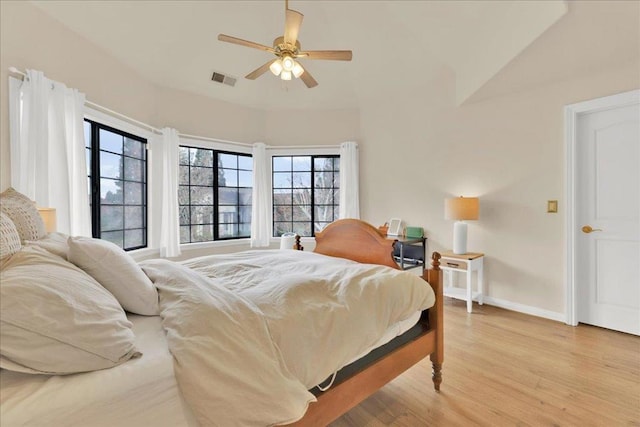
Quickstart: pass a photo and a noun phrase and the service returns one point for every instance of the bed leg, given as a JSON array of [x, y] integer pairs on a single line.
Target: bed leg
[[436, 319], [437, 375]]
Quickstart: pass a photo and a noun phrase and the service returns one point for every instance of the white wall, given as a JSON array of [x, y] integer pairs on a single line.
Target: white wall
[[202, 116], [508, 150], [311, 127]]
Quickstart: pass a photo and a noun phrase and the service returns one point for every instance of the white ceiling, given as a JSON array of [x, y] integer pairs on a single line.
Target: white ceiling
[[399, 47]]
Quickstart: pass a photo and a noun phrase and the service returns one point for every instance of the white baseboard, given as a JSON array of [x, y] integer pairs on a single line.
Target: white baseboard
[[526, 309]]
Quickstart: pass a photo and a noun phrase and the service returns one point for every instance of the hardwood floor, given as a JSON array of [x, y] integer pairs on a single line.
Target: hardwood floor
[[504, 368]]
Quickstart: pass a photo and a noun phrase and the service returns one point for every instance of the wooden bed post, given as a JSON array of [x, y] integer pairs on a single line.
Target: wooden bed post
[[436, 318]]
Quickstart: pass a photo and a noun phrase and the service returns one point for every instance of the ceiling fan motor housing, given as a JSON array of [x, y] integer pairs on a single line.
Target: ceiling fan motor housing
[[282, 48]]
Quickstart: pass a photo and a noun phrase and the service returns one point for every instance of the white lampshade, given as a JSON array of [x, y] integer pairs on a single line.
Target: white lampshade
[[285, 75], [276, 67], [288, 63], [297, 70], [49, 218]]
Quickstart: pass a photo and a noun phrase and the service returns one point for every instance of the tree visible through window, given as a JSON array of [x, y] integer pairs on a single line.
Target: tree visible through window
[[214, 195], [117, 172], [306, 193]]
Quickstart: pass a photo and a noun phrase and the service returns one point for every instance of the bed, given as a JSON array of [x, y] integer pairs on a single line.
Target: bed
[[145, 390], [361, 242]]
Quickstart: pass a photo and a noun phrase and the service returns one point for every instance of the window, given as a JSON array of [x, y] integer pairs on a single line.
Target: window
[[306, 193], [214, 195], [117, 172]]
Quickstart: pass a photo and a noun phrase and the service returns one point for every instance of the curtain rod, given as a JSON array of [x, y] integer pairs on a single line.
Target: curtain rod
[[101, 108], [295, 147], [159, 131], [222, 141]]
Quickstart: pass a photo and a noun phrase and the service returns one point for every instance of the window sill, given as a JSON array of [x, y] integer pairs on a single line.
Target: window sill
[[302, 239], [144, 253], [186, 247], [147, 253]]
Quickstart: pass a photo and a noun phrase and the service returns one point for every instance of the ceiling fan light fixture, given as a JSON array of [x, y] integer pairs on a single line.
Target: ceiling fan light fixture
[[297, 70], [285, 75], [287, 49], [288, 63], [276, 67]]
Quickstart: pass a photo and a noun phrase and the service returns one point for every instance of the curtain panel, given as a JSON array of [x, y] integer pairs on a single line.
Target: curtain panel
[[170, 222], [261, 202], [48, 162], [349, 181]]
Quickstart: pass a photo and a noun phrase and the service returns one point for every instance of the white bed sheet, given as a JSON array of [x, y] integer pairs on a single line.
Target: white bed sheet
[[141, 392]]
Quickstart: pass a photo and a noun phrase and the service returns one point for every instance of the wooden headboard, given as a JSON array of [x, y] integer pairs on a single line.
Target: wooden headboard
[[355, 240]]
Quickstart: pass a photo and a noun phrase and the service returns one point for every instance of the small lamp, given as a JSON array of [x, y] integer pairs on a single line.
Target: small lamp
[[48, 216], [461, 209], [287, 240]]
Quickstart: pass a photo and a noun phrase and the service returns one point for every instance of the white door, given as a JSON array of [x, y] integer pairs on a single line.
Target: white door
[[608, 218]]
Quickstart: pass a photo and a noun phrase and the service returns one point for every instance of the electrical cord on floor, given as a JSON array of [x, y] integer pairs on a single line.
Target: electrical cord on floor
[[333, 377]]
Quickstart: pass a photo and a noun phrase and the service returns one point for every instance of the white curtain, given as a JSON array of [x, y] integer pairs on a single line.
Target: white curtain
[[170, 222], [349, 182], [48, 161], [261, 206]]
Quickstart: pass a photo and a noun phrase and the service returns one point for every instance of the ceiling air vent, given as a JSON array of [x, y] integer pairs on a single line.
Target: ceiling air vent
[[221, 78]]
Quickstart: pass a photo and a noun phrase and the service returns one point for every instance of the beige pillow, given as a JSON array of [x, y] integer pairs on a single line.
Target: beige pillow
[[23, 213], [55, 242], [56, 319], [114, 269], [9, 237]]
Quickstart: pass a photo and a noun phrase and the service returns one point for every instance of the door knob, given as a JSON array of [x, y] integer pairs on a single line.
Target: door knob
[[588, 229]]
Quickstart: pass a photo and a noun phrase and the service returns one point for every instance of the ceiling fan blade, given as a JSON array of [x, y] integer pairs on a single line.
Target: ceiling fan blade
[[332, 55], [308, 78], [241, 42], [292, 23], [260, 70]]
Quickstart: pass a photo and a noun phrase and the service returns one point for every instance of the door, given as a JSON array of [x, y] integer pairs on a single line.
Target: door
[[608, 218]]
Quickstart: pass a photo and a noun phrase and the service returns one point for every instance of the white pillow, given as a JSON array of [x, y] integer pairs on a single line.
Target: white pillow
[[56, 319], [9, 237], [56, 243], [114, 269], [23, 213]]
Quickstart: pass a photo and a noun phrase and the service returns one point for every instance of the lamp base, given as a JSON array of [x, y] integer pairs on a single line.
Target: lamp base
[[459, 238]]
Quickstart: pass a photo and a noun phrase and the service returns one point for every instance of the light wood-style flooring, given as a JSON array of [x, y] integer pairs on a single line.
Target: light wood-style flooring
[[503, 368]]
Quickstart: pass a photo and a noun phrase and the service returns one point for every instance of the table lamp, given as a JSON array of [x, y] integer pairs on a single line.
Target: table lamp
[[49, 218], [287, 240], [461, 209]]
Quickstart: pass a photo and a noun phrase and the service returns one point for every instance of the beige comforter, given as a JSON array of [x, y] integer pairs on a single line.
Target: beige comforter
[[251, 332]]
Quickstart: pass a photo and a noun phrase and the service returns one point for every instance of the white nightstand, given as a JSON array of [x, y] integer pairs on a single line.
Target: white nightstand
[[465, 263]]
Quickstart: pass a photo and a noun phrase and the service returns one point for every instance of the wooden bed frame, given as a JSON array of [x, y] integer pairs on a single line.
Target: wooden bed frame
[[359, 241]]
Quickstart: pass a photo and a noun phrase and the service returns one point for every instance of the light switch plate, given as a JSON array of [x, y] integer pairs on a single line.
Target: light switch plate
[[552, 206]]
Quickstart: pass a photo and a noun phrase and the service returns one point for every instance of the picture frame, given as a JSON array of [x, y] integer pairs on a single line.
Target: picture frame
[[395, 227]]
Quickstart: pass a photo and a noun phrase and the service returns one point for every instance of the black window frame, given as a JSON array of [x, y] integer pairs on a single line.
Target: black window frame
[[216, 198], [312, 221], [95, 185]]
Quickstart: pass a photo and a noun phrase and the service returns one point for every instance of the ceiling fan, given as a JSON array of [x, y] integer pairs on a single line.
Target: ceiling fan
[[287, 50]]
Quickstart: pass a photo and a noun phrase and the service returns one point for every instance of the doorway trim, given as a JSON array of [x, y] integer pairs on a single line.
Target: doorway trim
[[571, 113]]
